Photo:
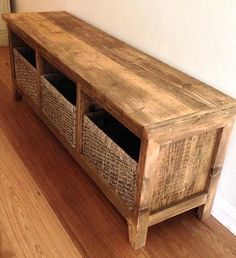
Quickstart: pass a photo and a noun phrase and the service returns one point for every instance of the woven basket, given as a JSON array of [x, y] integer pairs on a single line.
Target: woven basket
[[57, 108], [112, 163], [26, 77]]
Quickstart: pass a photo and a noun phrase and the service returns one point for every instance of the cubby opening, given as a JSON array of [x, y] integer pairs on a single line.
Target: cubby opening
[[65, 86], [58, 100], [28, 54], [122, 136], [24, 49], [25, 68], [60, 82], [112, 150]]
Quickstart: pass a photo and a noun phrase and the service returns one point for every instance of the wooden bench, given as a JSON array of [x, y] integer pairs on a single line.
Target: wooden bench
[[151, 137]]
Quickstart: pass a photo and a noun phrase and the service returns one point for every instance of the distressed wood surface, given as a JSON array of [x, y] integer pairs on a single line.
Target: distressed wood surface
[[176, 116], [152, 92], [15, 93], [138, 225], [204, 211], [183, 168], [96, 228], [178, 208]]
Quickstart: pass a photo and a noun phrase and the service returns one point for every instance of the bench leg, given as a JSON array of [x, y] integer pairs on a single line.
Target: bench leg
[[204, 211], [138, 234], [138, 225]]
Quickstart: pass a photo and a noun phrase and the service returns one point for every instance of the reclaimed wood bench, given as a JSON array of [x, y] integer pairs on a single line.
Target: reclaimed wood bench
[[151, 137]]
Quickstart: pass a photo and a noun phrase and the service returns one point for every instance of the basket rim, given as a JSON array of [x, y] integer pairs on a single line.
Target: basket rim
[[85, 117], [58, 75], [57, 93]]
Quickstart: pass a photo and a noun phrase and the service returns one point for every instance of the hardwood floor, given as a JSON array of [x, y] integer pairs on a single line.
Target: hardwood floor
[[27, 221], [50, 208]]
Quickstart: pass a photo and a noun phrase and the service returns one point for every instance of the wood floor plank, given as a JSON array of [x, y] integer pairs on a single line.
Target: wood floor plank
[[6, 248], [93, 224], [27, 219]]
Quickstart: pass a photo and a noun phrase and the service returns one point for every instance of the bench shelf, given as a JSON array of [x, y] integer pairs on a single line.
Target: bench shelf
[[151, 137]]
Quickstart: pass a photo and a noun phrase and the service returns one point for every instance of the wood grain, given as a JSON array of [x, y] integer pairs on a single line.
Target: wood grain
[[176, 117], [151, 91], [178, 208], [138, 226], [183, 168], [93, 224], [30, 228], [204, 212], [16, 94]]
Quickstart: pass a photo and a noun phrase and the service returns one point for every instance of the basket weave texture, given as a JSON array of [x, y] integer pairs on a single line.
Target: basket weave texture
[[26, 75], [59, 110], [112, 163]]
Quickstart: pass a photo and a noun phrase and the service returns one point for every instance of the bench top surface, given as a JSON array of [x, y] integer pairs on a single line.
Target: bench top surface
[[139, 87]]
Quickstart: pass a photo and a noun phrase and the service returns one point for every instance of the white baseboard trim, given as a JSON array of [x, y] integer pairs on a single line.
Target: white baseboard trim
[[225, 213], [3, 38]]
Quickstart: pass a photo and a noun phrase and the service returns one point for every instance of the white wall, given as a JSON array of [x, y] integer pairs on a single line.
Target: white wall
[[198, 37]]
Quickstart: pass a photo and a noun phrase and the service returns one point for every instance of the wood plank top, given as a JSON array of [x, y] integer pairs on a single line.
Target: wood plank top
[[145, 91]]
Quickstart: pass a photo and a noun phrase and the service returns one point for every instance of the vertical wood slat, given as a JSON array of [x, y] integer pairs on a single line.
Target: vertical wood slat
[[205, 211], [16, 95], [39, 72], [77, 117], [83, 108], [138, 227]]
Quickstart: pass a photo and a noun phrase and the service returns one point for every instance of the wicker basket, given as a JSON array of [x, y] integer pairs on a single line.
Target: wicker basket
[[101, 136], [25, 70], [58, 105]]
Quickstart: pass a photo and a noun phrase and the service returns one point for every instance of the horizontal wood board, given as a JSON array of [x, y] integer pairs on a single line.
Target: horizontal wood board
[[139, 89]]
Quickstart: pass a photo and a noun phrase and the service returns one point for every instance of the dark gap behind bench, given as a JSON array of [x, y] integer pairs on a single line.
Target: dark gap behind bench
[[125, 139], [29, 54], [64, 85]]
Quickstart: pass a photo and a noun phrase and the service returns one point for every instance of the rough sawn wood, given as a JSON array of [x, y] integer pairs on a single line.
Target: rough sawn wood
[[183, 124]]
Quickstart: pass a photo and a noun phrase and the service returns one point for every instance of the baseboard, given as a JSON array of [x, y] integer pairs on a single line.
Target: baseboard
[[3, 38], [4, 8], [225, 213]]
